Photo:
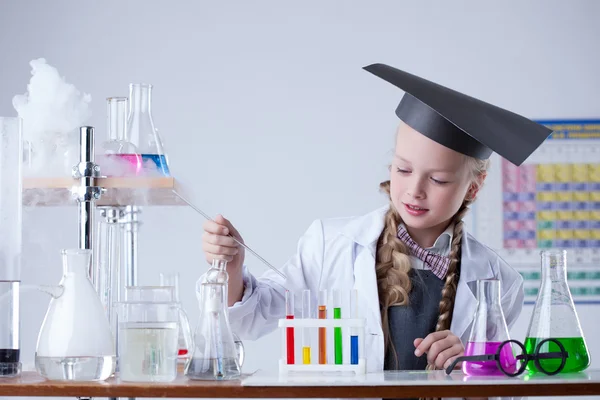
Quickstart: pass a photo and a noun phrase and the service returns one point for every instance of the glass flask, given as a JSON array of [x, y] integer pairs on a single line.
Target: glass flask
[[75, 342], [142, 132], [171, 281], [119, 156], [147, 341], [10, 364], [215, 354], [554, 316], [488, 332]]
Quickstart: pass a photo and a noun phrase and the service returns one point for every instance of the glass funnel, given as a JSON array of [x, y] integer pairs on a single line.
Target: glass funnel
[[488, 332], [142, 132], [554, 316], [75, 342], [215, 354], [119, 156]]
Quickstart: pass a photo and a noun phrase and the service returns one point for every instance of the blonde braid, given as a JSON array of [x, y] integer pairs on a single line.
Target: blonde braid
[[392, 266]]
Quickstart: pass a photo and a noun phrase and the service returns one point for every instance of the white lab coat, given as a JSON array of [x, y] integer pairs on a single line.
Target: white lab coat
[[340, 253]]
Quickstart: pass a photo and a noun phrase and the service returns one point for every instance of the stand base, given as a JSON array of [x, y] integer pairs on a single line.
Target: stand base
[[358, 369]]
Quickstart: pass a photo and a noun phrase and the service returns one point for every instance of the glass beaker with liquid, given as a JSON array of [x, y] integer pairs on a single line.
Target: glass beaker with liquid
[[10, 364], [215, 353], [147, 341], [75, 341], [488, 332], [11, 205], [142, 132], [554, 316], [119, 157], [160, 294]]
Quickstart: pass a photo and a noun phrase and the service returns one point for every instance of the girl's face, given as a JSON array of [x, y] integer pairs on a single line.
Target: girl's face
[[428, 184]]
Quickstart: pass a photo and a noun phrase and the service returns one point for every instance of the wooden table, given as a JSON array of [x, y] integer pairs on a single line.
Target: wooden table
[[387, 384]]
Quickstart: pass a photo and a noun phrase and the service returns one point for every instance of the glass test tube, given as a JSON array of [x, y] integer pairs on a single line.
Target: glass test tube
[[306, 331], [289, 314], [322, 307], [354, 331], [337, 331]]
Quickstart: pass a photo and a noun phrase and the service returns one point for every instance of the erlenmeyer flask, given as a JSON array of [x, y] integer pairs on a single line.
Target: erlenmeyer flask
[[215, 355], [119, 156], [185, 332], [554, 316], [75, 341], [488, 331], [142, 133]]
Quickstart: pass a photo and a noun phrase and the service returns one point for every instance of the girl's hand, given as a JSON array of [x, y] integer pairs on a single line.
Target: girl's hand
[[217, 244], [441, 348]]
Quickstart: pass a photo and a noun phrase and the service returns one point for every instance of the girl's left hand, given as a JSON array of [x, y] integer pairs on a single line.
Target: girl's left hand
[[441, 348]]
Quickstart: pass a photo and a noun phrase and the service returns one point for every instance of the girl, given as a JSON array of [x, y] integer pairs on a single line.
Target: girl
[[412, 262]]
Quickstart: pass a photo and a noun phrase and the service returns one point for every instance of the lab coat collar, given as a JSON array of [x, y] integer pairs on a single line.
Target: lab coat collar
[[365, 232]]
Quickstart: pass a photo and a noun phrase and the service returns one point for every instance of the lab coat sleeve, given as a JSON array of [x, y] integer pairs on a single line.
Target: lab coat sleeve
[[512, 301], [263, 300]]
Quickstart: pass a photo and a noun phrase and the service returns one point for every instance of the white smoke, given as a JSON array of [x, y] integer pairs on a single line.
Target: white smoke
[[52, 111]]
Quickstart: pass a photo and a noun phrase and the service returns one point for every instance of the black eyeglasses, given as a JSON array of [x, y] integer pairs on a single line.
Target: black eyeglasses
[[513, 363]]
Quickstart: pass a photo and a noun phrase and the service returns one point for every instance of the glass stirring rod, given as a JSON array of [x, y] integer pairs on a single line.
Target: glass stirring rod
[[199, 211]]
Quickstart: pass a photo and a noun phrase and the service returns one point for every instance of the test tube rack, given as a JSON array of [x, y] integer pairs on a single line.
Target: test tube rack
[[348, 324]]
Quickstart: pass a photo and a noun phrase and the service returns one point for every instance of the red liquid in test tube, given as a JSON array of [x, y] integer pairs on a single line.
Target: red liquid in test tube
[[289, 314]]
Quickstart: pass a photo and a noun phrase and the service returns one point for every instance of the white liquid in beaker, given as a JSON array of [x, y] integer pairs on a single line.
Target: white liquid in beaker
[[76, 368], [148, 351]]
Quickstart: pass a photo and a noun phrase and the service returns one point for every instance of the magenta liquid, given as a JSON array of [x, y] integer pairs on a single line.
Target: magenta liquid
[[134, 164], [488, 367]]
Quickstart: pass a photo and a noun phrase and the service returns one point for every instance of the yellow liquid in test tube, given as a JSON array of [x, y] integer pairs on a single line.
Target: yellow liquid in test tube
[[306, 355]]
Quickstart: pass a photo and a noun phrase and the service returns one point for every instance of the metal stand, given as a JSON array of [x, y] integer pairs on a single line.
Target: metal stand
[[86, 194]]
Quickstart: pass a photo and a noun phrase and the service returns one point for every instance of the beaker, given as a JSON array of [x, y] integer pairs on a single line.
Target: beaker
[[215, 355], [119, 157], [11, 205], [171, 281], [142, 132], [488, 332], [10, 364], [554, 316], [147, 341], [75, 341]]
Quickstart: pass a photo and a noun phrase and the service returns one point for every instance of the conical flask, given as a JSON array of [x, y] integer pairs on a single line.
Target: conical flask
[[488, 331], [142, 132], [215, 355], [75, 342], [119, 157], [554, 316]]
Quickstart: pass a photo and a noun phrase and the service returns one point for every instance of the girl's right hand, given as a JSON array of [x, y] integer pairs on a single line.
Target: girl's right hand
[[217, 244]]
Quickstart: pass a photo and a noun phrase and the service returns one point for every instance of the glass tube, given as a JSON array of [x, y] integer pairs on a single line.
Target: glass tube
[[306, 331], [289, 314], [354, 331], [337, 331], [322, 311]]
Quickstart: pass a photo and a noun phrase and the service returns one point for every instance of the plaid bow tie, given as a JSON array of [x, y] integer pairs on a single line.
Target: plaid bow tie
[[436, 263]]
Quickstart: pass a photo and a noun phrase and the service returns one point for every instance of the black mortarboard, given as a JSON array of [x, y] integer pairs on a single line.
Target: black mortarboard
[[460, 122]]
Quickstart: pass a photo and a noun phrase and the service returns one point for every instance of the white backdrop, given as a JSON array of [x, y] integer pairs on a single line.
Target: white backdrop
[[266, 114]]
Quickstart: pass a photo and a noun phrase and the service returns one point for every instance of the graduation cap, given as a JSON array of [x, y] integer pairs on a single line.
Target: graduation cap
[[460, 122]]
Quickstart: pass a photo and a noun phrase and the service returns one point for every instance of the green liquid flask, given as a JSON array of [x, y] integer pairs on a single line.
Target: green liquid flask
[[554, 316]]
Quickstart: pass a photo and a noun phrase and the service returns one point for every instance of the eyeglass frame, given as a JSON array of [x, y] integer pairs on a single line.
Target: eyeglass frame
[[536, 356]]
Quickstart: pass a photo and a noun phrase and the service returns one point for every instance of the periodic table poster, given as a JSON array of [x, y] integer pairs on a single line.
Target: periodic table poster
[[551, 201]]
